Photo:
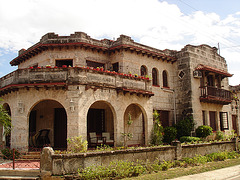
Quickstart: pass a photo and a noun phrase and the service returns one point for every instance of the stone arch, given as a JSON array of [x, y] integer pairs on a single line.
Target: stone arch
[[49, 115], [139, 126], [101, 117], [6, 138]]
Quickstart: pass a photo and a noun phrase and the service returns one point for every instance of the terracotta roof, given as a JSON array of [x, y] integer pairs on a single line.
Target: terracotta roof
[[202, 67]]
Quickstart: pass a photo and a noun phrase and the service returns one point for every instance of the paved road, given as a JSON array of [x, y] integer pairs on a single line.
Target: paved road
[[230, 173]]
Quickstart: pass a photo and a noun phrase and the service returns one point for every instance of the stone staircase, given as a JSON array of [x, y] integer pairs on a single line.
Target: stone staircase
[[22, 173], [35, 155]]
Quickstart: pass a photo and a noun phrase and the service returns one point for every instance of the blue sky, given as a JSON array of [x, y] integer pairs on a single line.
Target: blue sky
[[163, 24]]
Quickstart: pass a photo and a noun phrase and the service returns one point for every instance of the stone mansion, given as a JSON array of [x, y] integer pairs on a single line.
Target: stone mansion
[[74, 85]]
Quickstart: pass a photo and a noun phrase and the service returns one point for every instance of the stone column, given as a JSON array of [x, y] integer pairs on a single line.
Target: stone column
[[178, 151]]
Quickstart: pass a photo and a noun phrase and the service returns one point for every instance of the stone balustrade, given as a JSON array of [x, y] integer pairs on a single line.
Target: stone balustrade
[[76, 76]]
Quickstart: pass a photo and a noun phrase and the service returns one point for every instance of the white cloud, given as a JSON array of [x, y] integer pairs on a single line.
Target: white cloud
[[151, 22]]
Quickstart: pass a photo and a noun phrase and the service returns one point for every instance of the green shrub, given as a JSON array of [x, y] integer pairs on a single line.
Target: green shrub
[[157, 132], [185, 126], [170, 134], [203, 131], [189, 139], [219, 135], [77, 144], [8, 153]]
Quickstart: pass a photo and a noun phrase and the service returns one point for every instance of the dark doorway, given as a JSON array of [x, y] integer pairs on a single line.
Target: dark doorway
[[115, 67], [60, 128], [234, 123], [210, 80], [96, 120], [212, 116], [32, 125], [164, 118]]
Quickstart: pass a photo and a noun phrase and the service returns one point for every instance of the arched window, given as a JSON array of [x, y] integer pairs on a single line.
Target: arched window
[[154, 77], [165, 79], [143, 71]]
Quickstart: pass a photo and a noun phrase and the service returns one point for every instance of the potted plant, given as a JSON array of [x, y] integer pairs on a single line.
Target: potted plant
[[101, 69], [48, 66], [64, 66]]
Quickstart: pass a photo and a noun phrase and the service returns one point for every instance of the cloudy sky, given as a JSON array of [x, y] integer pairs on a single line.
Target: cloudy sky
[[163, 24]]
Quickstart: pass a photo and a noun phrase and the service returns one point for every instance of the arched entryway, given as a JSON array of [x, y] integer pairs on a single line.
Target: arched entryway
[[137, 127], [48, 119], [100, 121], [7, 138]]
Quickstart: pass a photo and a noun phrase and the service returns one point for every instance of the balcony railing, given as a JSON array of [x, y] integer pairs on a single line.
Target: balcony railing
[[215, 95], [63, 77]]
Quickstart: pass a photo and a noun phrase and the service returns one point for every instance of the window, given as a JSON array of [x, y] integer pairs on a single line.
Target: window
[[143, 71], [204, 118], [154, 77], [67, 62], [94, 64], [212, 118], [165, 79], [223, 121]]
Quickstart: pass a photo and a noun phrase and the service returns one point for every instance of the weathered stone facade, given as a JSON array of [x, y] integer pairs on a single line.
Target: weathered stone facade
[[97, 77]]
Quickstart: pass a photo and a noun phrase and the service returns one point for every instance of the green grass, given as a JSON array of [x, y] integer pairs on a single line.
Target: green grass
[[178, 172]]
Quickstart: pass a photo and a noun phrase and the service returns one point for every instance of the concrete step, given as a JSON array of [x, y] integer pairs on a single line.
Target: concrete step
[[19, 172], [18, 177], [31, 156]]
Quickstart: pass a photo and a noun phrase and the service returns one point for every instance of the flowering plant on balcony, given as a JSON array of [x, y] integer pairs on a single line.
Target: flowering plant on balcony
[[48, 66], [64, 66]]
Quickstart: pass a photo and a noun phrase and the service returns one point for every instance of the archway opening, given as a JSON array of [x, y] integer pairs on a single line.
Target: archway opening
[[100, 124], [6, 138], [136, 128], [48, 125]]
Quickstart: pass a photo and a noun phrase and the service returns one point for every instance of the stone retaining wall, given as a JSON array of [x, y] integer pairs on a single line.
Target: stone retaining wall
[[61, 164]]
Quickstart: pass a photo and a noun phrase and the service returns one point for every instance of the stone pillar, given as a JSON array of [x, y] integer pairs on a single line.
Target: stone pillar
[[119, 128], [19, 134], [178, 151], [46, 162], [236, 144]]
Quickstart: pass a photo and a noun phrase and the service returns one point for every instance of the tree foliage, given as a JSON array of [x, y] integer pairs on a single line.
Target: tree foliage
[[5, 120], [157, 132], [185, 126]]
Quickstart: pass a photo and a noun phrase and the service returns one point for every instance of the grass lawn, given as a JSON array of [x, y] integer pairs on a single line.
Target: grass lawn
[[177, 172]]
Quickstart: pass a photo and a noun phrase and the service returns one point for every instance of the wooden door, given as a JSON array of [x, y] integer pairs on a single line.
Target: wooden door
[[212, 116], [60, 128], [234, 123]]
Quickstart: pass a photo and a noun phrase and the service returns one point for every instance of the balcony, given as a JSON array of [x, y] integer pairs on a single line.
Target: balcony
[[215, 95], [64, 77]]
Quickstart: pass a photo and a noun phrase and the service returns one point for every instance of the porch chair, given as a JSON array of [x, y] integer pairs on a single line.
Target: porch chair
[[94, 140], [41, 138], [108, 140]]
